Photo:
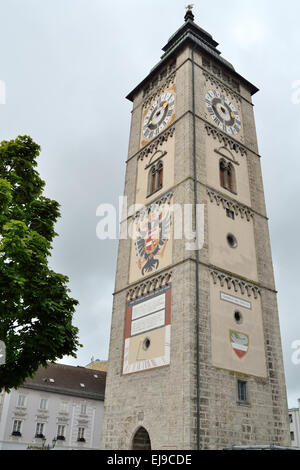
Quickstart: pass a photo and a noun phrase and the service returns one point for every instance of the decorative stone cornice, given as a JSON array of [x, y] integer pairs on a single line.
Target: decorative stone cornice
[[238, 285], [150, 285], [225, 140], [159, 89], [221, 86], [164, 199], [156, 143], [42, 416], [83, 421], [62, 420], [236, 207], [19, 413]]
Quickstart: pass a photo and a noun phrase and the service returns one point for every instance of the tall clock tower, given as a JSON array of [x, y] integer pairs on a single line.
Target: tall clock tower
[[195, 359]]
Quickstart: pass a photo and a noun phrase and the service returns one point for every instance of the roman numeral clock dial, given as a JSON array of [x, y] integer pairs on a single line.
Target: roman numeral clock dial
[[159, 115], [223, 112]]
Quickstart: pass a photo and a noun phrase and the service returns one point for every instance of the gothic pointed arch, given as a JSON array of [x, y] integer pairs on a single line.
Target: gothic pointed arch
[[157, 155], [141, 440], [226, 153]]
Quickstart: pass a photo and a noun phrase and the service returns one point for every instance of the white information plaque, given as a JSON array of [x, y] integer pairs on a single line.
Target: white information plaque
[[149, 306], [235, 300], [150, 322]]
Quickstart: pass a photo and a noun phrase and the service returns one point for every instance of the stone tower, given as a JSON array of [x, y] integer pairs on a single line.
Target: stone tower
[[195, 358]]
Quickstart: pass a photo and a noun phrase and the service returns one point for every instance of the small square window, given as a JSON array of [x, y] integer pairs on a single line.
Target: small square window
[[43, 404], [206, 63], [80, 435], [163, 74], [291, 418], [17, 426], [64, 407], [292, 436], [235, 85], [39, 432], [242, 391], [21, 400], [16, 431], [216, 70], [61, 429]]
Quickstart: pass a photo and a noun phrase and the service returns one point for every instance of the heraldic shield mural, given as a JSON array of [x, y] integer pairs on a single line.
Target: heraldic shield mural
[[152, 241], [239, 343]]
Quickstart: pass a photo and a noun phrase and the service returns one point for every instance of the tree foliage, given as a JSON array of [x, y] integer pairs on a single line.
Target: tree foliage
[[35, 308]]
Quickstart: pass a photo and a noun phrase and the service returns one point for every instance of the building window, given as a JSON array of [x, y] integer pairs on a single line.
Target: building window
[[64, 407], [242, 391], [163, 74], [227, 176], [83, 409], [43, 404], [206, 62], [17, 427], [61, 429], [216, 70], [291, 418], [39, 432], [21, 400], [155, 178], [235, 85], [172, 66], [80, 436], [292, 436]]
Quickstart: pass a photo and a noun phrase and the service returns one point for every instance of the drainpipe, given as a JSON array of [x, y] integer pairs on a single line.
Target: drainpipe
[[197, 253]]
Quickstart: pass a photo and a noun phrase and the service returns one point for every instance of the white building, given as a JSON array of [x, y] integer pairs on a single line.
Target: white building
[[61, 404], [294, 418]]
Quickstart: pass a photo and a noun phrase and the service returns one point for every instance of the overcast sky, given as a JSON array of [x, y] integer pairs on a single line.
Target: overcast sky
[[68, 65]]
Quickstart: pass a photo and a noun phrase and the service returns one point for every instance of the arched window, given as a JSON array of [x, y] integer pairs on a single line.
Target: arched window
[[141, 440], [160, 171], [227, 176], [155, 177], [222, 173]]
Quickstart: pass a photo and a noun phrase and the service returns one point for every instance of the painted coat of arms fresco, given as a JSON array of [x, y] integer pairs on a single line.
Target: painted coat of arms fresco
[[153, 234], [239, 343]]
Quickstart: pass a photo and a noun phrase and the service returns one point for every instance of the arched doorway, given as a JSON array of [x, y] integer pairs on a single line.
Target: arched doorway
[[141, 440]]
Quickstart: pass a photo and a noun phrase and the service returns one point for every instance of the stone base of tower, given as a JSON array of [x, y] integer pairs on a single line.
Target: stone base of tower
[[162, 403]]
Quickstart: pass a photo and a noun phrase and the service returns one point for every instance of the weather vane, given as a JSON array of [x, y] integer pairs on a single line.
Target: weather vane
[[190, 7], [189, 14]]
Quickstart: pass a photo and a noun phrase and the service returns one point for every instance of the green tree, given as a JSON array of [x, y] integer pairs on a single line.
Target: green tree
[[35, 308]]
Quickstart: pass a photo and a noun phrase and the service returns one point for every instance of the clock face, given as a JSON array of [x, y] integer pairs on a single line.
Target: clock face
[[158, 115], [222, 112]]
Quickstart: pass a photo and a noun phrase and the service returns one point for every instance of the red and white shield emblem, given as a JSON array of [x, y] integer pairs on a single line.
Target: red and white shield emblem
[[239, 343], [152, 239]]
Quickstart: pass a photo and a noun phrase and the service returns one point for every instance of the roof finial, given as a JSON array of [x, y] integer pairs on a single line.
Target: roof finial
[[189, 14]]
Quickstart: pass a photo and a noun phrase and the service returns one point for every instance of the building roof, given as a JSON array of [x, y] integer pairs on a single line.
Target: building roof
[[191, 33], [69, 380], [97, 365]]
